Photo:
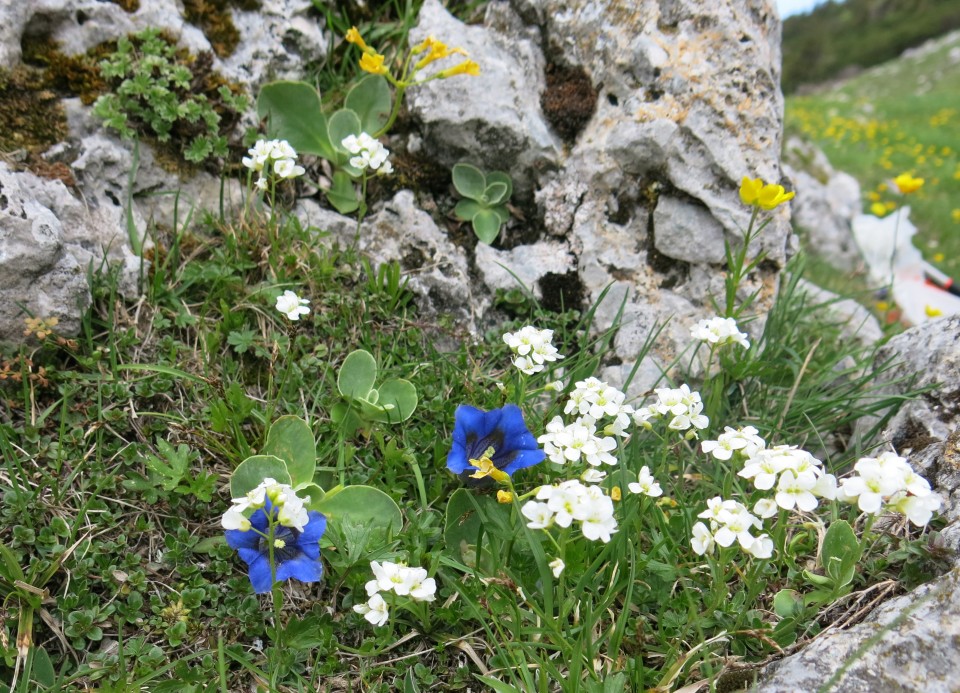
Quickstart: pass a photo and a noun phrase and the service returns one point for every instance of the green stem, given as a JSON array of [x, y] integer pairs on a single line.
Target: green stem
[[277, 597], [394, 112]]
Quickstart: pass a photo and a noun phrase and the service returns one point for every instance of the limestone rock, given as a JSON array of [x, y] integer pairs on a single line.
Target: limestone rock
[[528, 264], [646, 194], [925, 355], [493, 120], [437, 269], [908, 644], [827, 202], [46, 246]]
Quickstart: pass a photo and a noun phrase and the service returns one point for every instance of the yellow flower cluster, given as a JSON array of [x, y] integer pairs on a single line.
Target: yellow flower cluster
[[755, 193], [375, 63]]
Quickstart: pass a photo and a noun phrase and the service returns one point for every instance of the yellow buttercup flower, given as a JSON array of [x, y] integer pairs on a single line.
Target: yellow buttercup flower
[[907, 184], [878, 209], [373, 63], [353, 36], [955, 215], [939, 257], [773, 195], [467, 67], [750, 190]]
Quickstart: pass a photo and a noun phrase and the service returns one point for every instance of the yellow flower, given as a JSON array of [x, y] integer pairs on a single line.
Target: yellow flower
[[932, 312], [878, 209], [437, 50], [773, 195], [907, 184], [890, 205], [373, 63], [615, 494], [750, 190], [873, 196], [353, 36], [883, 306], [504, 497], [939, 257], [486, 467], [955, 215], [467, 67]]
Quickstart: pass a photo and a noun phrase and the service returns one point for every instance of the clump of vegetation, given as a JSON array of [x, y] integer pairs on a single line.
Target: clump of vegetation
[[166, 94], [31, 116], [569, 100], [71, 75], [213, 17]]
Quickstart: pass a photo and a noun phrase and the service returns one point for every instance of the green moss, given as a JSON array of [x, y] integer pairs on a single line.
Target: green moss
[[214, 19], [68, 75], [31, 116]]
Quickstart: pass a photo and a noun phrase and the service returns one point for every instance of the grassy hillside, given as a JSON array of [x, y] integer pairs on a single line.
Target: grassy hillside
[[903, 116], [858, 33]]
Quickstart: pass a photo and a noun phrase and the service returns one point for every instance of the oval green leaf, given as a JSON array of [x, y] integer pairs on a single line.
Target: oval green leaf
[[469, 181], [398, 400], [343, 123], [293, 113], [291, 439], [253, 470], [362, 505], [357, 375], [486, 224], [466, 210], [370, 99], [495, 193]]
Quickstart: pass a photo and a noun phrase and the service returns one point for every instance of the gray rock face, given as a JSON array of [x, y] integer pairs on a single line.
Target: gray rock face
[[48, 240], [501, 127], [274, 41], [437, 269], [929, 354], [826, 203], [646, 195], [909, 644]]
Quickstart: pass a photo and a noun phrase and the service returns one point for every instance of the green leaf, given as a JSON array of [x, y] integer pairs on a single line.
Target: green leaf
[[362, 505], [357, 375], [343, 123], [342, 194], [463, 523], [486, 224], [501, 212], [497, 685], [787, 603], [311, 493], [9, 567], [501, 177], [840, 553], [466, 210], [495, 193], [469, 181], [370, 99], [291, 439], [294, 114], [397, 401], [814, 579], [252, 471], [43, 671]]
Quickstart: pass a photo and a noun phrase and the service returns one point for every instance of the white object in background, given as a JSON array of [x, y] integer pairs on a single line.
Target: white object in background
[[891, 237]]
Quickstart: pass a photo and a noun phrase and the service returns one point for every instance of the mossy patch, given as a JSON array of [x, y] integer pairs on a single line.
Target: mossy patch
[[68, 75], [215, 20], [127, 5], [569, 100], [31, 115]]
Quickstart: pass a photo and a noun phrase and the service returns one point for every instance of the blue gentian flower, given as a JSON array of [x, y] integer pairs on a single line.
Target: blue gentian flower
[[487, 445], [296, 553]]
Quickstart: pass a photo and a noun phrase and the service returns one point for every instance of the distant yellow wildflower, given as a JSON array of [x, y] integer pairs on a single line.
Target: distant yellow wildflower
[[932, 312], [878, 209], [907, 184]]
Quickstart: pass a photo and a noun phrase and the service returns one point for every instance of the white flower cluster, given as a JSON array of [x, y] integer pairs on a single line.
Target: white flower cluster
[[719, 332], [730, 522], [646, 484], [568, 501], [290, 509], [276, 153], [595, 399], [533, 348], [889, 482], [368, 153], [400, 579], [683, 407], [571, 442], [291, 305], [797, 476], [741, 440]]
